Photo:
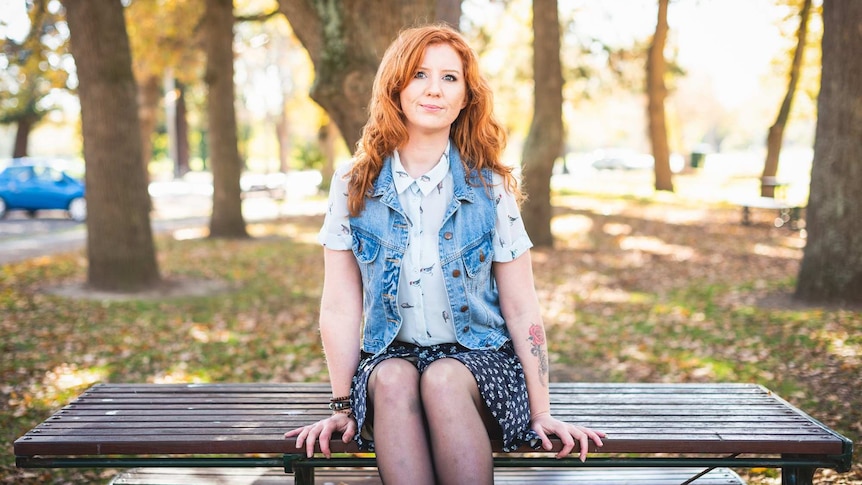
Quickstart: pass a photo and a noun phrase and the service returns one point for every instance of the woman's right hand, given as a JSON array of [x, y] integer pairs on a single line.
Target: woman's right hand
[[322, 431]]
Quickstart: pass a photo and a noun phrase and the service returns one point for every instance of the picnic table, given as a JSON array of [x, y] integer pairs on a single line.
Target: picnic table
[[692, 429]]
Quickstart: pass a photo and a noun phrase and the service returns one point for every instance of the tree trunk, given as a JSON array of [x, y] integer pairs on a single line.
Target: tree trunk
[[545, 139], [449, 11], [282, 136], [776, 131], [181, 166], [120, 245], [656, 94], [345, 44], [225, 162], [22, 135], [831, 269], [149, 94]]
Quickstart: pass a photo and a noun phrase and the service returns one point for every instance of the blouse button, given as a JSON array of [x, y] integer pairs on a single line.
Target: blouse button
[[456, 273], [447, 236]]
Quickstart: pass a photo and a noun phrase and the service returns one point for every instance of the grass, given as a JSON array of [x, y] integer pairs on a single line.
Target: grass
[[641, 289]]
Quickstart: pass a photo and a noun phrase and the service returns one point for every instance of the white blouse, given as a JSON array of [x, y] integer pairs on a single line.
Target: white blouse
[[422, 297]]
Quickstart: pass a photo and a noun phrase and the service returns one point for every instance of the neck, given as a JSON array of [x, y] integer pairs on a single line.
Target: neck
[[418, 156]]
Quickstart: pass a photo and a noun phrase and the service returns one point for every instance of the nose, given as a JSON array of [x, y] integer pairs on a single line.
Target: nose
[[433, 87]]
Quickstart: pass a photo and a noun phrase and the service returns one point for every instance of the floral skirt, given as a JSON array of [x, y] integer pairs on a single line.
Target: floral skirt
[[498, 373]]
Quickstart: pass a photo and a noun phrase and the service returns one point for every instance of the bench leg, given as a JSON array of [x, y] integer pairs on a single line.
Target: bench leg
[[797, 476], [746, 215], [303, 475]]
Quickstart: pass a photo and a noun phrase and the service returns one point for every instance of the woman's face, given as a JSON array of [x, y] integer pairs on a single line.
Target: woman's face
[[435, 96]]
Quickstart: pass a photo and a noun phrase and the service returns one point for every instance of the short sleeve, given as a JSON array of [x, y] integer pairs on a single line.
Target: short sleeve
[[512, 239], [335, 233]]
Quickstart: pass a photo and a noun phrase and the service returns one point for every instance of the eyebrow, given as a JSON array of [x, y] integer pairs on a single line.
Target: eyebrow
[[447, 71]]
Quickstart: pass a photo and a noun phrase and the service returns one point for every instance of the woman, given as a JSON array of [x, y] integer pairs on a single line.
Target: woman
[[429, 318]]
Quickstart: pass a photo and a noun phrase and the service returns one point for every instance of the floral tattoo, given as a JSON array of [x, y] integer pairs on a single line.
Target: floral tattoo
[[537, 339]]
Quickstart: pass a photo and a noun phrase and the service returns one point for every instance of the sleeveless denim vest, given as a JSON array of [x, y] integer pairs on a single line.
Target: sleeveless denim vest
[[466, 249]]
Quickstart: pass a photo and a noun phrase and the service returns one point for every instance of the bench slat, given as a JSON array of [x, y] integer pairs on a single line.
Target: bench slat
[[510, 476]]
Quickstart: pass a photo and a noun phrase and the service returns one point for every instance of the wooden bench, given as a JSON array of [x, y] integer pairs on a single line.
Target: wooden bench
[[670, 431], [789, 213]]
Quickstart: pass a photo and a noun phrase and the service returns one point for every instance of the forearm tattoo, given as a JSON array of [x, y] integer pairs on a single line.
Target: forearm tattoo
[[537, 340]]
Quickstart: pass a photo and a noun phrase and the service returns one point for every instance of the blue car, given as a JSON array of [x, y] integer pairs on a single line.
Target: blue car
[[33, 186]]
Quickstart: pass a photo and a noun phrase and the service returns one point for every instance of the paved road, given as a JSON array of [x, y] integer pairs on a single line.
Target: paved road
[[176, 205]]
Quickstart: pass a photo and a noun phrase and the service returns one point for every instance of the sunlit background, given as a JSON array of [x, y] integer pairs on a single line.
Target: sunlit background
[[729, 58]]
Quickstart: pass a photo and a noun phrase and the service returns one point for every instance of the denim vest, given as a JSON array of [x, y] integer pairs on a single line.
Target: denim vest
[[466, 250]]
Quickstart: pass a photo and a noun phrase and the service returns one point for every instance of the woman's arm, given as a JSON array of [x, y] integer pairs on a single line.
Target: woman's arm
[[341, 318], [340, 321], [520, 307]]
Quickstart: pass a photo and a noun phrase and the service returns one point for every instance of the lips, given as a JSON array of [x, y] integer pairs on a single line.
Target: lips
[[431, 107]]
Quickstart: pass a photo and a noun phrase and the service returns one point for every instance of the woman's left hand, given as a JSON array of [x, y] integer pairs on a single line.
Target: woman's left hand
[[544, 424]]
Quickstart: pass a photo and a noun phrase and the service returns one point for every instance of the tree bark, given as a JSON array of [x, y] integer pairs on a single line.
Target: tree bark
[[831, 269], [149, 94], [346, 41], [120, 245], [656, 94], [181, 164], [225, 163], [544, 142], [22, 135], [776, 132], [449, 11]]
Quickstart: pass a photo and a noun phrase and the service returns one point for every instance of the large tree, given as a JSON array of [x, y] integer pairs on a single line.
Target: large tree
[[225, 162], [120, 247], [831, 267], [776, 132], [34, 69], [656, 93], [544, 142], [346, 41]]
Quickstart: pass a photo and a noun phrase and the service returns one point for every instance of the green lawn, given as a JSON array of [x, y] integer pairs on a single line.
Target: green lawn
[[654, 289]]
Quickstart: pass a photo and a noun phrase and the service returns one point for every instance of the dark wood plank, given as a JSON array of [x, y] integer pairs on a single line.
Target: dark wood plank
[[251, 418]]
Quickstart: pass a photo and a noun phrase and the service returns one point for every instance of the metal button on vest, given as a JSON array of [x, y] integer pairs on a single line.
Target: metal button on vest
[[465, 308], [481, 256], [456, 273], [447, 236], [465, 329]]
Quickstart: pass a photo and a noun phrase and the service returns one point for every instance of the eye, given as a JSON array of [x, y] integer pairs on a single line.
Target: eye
[[420, 75], [450, 77]]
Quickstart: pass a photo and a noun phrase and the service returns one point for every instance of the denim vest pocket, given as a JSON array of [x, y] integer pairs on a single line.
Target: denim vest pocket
[[365, 247], [477, 258]]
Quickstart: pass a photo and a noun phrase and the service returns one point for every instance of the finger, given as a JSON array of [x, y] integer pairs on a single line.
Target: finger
[[568, 443], [597, 436], [300, 437], [310, 441], [349, 433], [585, 444], [324, 438], [546, 442]]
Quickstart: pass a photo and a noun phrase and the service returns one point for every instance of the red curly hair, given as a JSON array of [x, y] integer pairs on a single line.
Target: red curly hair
[[480, 139]]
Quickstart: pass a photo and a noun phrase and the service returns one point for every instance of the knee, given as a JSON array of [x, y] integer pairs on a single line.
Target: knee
[[394, 377], [445, 379]]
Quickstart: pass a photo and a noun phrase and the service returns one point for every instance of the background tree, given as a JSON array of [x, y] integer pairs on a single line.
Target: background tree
[[544, 142], [345, 41], [120, 248], [831, 267], [35, 70], [656, 93], [776, 132], [225, 162], [166, 55]]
